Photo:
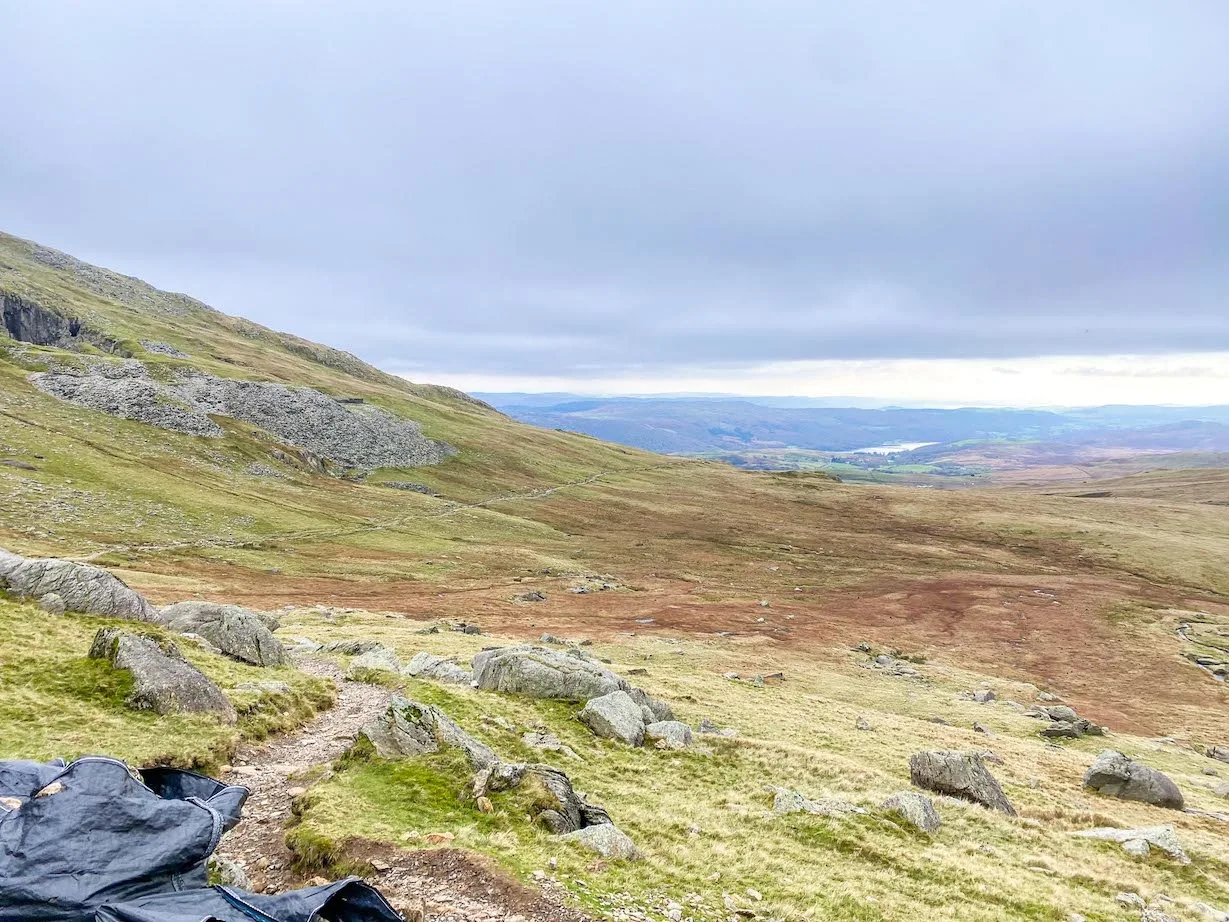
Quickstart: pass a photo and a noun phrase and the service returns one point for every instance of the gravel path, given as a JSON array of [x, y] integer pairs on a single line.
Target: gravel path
[[444, 885]]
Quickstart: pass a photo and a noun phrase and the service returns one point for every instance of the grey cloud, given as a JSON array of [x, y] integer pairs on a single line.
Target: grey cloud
[[580, 189]]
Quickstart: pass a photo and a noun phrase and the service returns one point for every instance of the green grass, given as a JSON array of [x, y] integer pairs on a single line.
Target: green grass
[[699, 812], [56, 702]]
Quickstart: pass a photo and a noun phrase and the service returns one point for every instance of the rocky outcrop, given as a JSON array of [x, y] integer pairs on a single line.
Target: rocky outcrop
[[614, 716], [237, 632], [376, 661], [959, 774], [437, 668], [1141, 841], [79, 586], [408, 728], [786, 801], [668, 734], [1115, 775], [352, 647], [540, 673], [163, 681], [558, 806], [1063, 722], [352, 436], [24, 320], [916, 809]]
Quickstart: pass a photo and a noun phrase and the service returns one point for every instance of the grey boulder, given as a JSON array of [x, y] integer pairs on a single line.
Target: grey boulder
[[80, 587], [560, 808], [352, 647], [163, 681], [237, 632], [1220, 753], [916, 809], [1160, 837], [437, 668], [606, 840], [378, 660], [786, 801], [652, 709], [1116, 775], [540, 673], [614, 716], [670, 734], [408, 728], [958, 774]]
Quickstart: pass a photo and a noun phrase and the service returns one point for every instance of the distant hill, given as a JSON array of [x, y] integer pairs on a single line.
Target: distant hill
[[697, 425]]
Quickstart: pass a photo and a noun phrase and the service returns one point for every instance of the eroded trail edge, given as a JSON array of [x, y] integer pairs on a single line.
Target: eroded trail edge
[[444, 885]]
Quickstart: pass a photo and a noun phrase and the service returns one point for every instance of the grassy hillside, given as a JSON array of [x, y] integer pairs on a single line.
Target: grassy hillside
[[1081, 597]]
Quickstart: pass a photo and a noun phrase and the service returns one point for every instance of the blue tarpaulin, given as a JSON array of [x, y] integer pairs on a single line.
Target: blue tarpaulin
[[95, 841]]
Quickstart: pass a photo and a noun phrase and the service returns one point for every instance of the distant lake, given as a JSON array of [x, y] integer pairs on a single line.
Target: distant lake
[[890, 449]]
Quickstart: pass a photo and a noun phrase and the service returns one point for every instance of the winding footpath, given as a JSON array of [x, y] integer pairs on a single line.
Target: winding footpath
[[443, 885]]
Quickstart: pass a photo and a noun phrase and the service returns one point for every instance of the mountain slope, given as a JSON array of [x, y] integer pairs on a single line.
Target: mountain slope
[[685, 570]]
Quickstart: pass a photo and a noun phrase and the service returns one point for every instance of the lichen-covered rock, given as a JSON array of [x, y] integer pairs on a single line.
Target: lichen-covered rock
[[959, 774], [237, 632], [786, 801], [673, 733], [363, 437], [378, 660], [606, 840], [1161, 837], [614, 716], [916, 809], [80, 587], [408, 728], [1116, 775], [539, 673], [558, 806], [163, 681], [654, 710], [52, 604], [429, 666], [352, 647]]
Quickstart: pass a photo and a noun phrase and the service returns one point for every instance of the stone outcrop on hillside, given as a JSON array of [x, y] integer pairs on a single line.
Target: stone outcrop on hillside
[[163, 681], [614, 716], [1116, 775], [561, 809], [436, 668], [235, 631], [379, 659], [959, 774], [540, 673], [1142, 840], [409, 728], [1062, 722], [352, 436], [79, 587], [916, 809]]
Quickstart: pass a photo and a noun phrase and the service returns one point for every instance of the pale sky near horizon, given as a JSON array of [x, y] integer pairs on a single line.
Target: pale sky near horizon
[[972, 201], [1194, 379]]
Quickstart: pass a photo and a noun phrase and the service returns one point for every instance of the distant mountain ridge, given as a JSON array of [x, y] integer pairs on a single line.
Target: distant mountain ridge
[[696, 425]]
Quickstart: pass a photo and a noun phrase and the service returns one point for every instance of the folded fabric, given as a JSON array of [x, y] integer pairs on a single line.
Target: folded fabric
[[94, 840], [348, 900]]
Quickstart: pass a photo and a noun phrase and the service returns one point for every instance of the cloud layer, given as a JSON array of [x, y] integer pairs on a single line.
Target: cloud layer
[[595, 190]]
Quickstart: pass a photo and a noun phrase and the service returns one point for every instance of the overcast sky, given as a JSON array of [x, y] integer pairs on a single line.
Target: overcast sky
[[623, 195]]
